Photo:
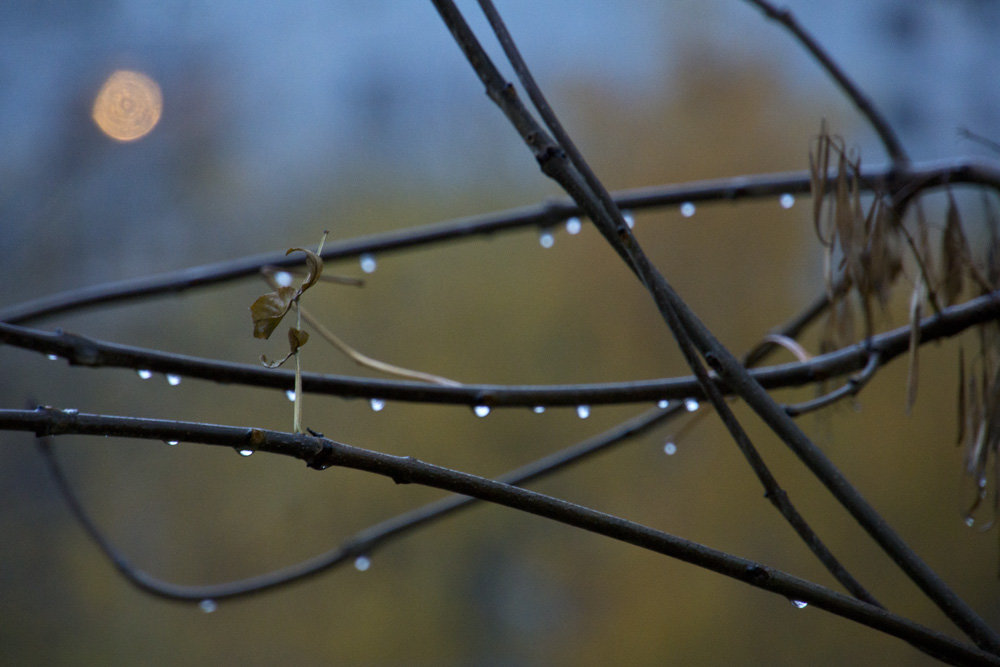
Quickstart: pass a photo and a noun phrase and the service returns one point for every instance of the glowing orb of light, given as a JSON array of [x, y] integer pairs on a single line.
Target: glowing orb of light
[[128, 106]]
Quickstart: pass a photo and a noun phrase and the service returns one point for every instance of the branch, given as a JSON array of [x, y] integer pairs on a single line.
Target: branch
[[82, 351], [321, 453], [867, 108]]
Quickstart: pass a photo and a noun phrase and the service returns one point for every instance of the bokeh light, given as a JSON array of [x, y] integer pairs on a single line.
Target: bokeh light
[[128, 106]]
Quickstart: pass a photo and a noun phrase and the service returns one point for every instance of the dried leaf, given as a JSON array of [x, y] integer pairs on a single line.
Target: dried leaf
[[296, 339], [315, 265], [961, 396], [269, 309], [955, 253], [916, 301]]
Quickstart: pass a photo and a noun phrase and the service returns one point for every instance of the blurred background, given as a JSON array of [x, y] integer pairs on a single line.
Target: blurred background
[[282, 120]]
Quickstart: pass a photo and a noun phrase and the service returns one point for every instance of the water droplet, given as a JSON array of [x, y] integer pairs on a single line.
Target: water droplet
[[545, 239], [377, 404], [573, 225], [687, 209], [246, 452], [481, 410], [290, 394], [981, 482], [283, 278], [538, 409], [368, 263], [144, 374], [691, 404], [362, 563], [208, 606], [172, 443], [669, 449], [799, 604], [970, 521], [663, 405], [787, 200], [173, 380], [629, 219], [52, 357], [70, 411], [583, 411]]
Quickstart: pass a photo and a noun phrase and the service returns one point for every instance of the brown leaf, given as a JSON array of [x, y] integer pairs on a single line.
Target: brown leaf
[[315, 265], [268, 310], [955, 253], [296, 339], [916, 300]]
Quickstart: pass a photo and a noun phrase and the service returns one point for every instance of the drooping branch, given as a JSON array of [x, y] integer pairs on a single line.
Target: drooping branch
[[83, 351], [321, 453]]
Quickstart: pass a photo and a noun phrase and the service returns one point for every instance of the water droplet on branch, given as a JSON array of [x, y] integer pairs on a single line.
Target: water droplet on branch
[[172, 443], [573, 225], [583, 411], [691, 404], [787, 200], [362, 563], [144, 374], [663, 405], [629, 219], [283, 278], [368, 264], [799, 604], [538, 409], [687, 209], [670, 449], [52, 357], [481, 410], [290, 394], [173, 380], [377, 404], [246, 452], [545, 239], [208, 606]]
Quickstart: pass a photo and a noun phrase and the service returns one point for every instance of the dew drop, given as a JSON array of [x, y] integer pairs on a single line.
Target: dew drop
[[172, 443], [787, 200], [208, 606], [246, 452], [290, 394], [377, 404], [583, 411], [545, 239], [538, 409], [799, 604], [368, 263], [144, 374], [283, 278], [663, 405], [687, 209], [481, 410], [669, 449], [173, 380], [573, 225], [52, 357], [969, 521], [362, 563], [691, 404], [629, 219]]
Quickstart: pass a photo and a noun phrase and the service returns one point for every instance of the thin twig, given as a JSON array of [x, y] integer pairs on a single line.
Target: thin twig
[[321, 453]]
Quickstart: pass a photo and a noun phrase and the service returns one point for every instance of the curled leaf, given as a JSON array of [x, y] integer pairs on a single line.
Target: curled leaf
[[315, 265], [269, 309], [296, 339]]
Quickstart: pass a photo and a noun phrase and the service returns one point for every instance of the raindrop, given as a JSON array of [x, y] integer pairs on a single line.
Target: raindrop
[[799, 604], [690, 404], [629, 219], [52, 357], [144, 374], [208, 606], [377, 404], [670, 449], [969, 521], [290, 394], [481, 410], [283, 278], [368, 263], [538, 409], [687, 209], [573, 225], [172, 443], [663, 405], [583, 411], [787, 200], [246, 452], [545, 239], [173, 380], [362, 563]]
